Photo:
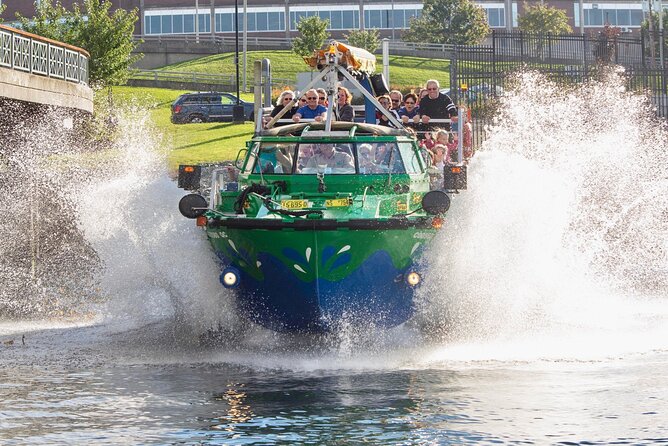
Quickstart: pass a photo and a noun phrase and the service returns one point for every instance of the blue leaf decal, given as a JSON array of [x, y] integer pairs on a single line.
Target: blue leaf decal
[[327, 254], [342, 260], [294, 256]]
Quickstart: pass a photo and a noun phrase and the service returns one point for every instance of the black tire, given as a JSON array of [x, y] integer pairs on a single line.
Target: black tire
[[196, 119]]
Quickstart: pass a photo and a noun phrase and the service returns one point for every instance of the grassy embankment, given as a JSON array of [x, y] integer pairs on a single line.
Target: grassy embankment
[[196, 143]]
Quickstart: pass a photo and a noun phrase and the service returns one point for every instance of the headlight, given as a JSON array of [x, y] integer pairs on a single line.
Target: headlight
[[230, 277], [413, 278]]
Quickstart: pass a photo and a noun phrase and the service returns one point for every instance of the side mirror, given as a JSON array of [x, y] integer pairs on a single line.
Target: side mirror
[[239, 161]]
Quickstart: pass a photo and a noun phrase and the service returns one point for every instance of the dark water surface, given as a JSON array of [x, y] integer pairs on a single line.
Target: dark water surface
[[91, 385]]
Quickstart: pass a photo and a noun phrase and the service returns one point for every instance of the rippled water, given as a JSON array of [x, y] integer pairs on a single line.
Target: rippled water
[[544, 319]]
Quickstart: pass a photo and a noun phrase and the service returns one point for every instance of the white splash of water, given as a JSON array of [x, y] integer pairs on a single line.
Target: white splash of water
[[559, 248]]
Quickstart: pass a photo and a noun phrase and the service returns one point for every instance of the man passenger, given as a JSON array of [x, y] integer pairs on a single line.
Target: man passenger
[[330, 157], [437, 105], [397, 99], [312, 110]]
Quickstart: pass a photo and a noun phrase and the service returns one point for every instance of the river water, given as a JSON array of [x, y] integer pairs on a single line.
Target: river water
[[543, 319]]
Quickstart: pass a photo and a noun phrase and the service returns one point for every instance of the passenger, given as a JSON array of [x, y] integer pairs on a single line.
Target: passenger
[[328, 156], [306, 151], [277, 159], [312, 110], [397, 99], [283, 100], [441, 136], [366, 159], [410, 112], [322, 97], [428, 143], [381, 119], [436, 105], [343, 110], [438, 155]]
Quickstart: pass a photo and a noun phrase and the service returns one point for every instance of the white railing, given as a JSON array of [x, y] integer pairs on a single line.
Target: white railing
[[34, 54]]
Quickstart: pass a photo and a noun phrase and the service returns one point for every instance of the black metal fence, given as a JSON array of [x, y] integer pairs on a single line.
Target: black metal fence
[[480, 74]]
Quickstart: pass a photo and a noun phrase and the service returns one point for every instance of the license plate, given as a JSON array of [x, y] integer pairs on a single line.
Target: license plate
[[294, 204], [337, 202]]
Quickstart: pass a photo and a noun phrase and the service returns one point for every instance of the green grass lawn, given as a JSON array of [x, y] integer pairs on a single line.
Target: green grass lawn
[[187, 143], [406, 72]]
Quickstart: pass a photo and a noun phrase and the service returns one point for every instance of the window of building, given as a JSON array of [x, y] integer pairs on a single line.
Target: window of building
[[167, 24], [177, 23]]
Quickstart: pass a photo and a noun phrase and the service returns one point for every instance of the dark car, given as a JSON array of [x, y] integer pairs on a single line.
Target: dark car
[[206, 107]]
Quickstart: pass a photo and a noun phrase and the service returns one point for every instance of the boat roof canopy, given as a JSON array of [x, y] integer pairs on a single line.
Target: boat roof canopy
[[339, 129]]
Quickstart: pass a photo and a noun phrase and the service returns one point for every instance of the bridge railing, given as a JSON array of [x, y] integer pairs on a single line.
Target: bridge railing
[[34, 54]]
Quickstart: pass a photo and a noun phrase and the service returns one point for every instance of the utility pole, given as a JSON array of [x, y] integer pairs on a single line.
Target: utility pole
[[245, 45], [197, 21]]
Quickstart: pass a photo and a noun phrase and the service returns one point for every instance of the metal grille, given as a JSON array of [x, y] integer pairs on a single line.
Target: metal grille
[[34, 55], [40, 58], [71, 65], [56, 62], [21, 53], [83, 69], [5, 49]]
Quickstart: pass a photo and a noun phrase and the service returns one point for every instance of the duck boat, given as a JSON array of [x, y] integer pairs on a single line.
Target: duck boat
[[319, 223]]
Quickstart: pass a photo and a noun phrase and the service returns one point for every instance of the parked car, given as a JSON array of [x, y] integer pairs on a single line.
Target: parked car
[[206, 107]]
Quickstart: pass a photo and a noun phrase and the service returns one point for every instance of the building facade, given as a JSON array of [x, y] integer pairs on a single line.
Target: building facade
[[271, 19]]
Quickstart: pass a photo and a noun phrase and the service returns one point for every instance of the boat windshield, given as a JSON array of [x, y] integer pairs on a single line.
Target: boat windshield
[[333, 158]]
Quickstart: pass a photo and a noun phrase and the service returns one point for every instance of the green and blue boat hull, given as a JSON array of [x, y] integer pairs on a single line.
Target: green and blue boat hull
[[312, 279]]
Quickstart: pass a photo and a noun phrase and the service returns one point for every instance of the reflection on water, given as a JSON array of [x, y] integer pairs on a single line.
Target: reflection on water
[[624, 402]]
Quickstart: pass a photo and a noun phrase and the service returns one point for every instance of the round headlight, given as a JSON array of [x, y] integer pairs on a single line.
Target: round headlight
[[230, 277], [413, 278]]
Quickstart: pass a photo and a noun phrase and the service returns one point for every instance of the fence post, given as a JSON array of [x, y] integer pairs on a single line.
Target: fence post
[[453, 73], [522, 46]]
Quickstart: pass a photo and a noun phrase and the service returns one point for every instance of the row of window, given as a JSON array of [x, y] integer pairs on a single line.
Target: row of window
[[170, 23], [615, 17], [275, 21]]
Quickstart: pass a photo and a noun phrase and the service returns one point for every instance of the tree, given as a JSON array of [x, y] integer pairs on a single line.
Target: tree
[[367, 39], [606, 43], [449, 21], [2, 9], [106, 36], [313, 34], [540, 18]]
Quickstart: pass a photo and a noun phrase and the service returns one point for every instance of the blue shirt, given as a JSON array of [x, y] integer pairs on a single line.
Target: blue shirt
[[403, 112], [307, 113]]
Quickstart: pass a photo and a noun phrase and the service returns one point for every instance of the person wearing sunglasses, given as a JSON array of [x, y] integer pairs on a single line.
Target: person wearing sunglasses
[[312, 110], [322, 97], [283, 101], [381, 119], [437, 105], [410, 112], [397, 99]]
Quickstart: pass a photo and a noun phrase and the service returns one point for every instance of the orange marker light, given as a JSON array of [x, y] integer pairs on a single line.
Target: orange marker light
[[201, 220], [437, 223], [456, 169], [189, 169]]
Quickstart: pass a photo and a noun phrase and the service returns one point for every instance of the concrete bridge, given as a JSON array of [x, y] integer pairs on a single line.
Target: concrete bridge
[[41, 71]]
